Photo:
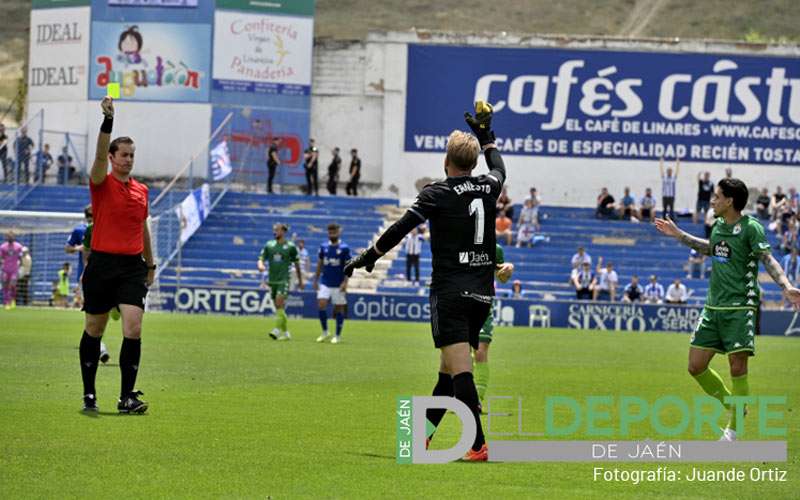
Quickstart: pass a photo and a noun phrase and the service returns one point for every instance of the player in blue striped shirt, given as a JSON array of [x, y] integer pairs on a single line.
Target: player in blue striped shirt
[[331, 259]]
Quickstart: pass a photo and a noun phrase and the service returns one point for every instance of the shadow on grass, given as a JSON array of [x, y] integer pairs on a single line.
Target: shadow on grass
[[98, 414]]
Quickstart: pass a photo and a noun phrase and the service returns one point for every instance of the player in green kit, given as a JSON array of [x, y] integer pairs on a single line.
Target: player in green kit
[[503, 271], [279, 254], [729, 319]]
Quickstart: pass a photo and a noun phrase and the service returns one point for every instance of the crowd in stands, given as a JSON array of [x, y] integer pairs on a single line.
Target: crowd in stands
[[528, 231], [29, 166], [311, 169]]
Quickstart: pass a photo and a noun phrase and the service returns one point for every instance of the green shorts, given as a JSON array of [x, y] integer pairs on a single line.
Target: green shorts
[[726, 330], [487, 329], [276, 289]]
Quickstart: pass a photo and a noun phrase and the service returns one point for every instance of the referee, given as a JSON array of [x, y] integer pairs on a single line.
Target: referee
[[461, 211], [120, 266]]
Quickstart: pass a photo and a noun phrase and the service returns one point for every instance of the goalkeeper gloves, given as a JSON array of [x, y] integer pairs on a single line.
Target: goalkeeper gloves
[[365, 259], [481, 123]]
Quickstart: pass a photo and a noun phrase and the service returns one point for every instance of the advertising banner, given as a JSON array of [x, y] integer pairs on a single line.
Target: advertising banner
[[48, 4], [252, 131], [59, 49], [262, 53], [508, 312], [151, 61], [293, 7], [155, 3], [607, 104]]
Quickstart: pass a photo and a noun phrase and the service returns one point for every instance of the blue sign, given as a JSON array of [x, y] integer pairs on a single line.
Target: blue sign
[[151, 61], [605, 104], [580, 315]]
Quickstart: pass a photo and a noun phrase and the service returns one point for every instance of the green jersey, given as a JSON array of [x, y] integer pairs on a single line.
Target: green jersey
[[87, 237], [499, 255], [279, 257], [735, 252]]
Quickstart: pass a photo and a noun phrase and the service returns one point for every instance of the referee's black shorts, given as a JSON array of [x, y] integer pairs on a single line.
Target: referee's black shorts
[[110, 280], [458, 318]]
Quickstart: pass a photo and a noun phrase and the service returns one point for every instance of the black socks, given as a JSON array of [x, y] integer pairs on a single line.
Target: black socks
[[464, 389], [129, 356], [444, 387], [89, 352]]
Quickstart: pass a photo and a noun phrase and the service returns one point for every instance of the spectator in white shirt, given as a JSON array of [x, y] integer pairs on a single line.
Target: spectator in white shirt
[[668, 187], [696, 265], [580, 258], [791, 265], [677, 293], [607, 281], [654, 291], [583, 280], [528, 226], [633, 291], [413, 247], [536, 202]]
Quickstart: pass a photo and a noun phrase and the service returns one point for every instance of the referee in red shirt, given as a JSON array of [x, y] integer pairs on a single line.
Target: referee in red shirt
[[120, 265]]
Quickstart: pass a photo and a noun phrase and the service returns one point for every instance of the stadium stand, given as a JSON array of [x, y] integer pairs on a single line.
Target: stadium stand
[[224, 250]]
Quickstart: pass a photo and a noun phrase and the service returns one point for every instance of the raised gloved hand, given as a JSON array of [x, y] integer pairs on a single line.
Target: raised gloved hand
[[481, 123], [365, 259]]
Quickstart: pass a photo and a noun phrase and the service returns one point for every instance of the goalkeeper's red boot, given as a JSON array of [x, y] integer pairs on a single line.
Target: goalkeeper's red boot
[[481, 455]]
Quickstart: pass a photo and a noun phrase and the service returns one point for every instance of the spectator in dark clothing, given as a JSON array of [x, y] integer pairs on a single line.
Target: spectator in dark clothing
[[633, 291], [23, 148], [647, 206], [44, 160], [583, 281], [4, 153], [762, 204], [273, 160], [605, 205], [66, 171], [504, 204], [705, 187], [627, 206], [333, 171], [355, 173], [311, 164]]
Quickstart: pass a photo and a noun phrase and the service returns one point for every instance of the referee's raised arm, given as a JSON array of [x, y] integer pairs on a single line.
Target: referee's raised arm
[[100, 165]]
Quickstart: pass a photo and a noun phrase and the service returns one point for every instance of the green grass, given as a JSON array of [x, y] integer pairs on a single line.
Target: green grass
[[234, 414]]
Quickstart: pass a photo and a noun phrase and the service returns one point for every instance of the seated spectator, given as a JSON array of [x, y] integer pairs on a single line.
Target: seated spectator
[[516, 289], [504, 204], [789, 238], [607, 281], [777, 202], [654, 291], [502, 228], [583, 280], [580, 258], [677, 293], [605, 205], [633, 291], [537, 202], [647, 206], [627, 206], [529, 214], [44, 160], [696, 265], [527, 228], [762, 204], [791, 266], [66, 171]]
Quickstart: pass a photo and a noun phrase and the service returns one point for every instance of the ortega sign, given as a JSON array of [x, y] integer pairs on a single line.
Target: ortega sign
[[608, 104]]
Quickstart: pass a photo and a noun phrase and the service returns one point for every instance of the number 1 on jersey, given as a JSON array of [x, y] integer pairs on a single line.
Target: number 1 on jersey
[[480, 220]]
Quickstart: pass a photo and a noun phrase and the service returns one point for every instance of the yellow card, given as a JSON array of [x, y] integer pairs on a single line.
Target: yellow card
[[112, 90]]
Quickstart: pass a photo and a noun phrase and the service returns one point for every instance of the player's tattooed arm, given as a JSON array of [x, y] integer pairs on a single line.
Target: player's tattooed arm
[[775, 271], [702, 246]]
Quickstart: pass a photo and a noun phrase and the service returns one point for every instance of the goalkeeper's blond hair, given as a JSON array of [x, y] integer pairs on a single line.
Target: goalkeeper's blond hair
[[462, 150]]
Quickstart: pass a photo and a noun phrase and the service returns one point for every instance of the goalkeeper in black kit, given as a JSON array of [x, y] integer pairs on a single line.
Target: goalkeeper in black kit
[[461, 211]]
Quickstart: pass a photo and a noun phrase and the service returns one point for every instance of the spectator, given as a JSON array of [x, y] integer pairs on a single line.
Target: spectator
[[627, 206], [413, 246], [504, 205], [502, 228], [516, 289], [583, 280], [762, 204], [62, 286], [668, 187], [647, 206], [794, 200], [677, 293], [66, 170], [633, 291], [729, 173], [333, 171], [791, 266], [4, 153], [789, 238], [273, 161], [777, 202], [607, 282], [654, 291], [696, 265], [705, 187], [708, 224], [24, 280], [311, 165], [537, 202], [605, 205], [304, 259], [23, 148], [44, 160], [580, 258], [355, 173]]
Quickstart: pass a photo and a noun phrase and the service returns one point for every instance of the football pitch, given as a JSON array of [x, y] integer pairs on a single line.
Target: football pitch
[[236, 414]]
